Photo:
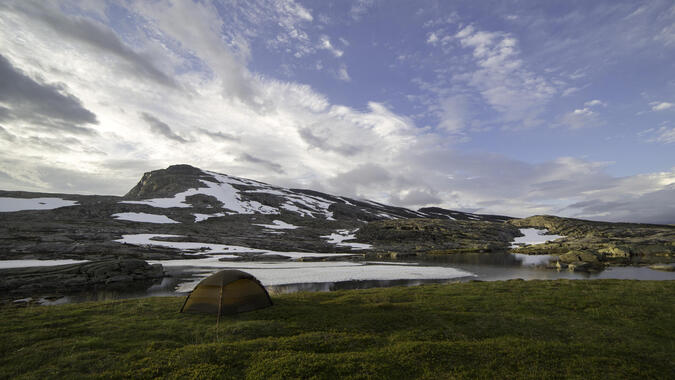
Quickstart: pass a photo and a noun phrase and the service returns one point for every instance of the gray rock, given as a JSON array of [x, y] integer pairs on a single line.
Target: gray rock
[[77, 277]]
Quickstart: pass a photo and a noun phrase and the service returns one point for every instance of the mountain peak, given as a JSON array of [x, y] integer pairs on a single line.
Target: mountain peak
[[185, 186], [166, 182]]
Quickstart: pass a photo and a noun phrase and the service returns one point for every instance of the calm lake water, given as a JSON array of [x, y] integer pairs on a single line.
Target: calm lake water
[[288, 277]]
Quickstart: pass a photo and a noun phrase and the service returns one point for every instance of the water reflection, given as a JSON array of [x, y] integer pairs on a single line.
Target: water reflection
[[349, 285], [502, 259]]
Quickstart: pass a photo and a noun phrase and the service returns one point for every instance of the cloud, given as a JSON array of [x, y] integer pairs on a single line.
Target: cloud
[[219, 136], [84, 31], [502, 77], [161, 128], [245, 157], [252, 125], [204, 40], [416, 198], [32, 102], [581, 118], [360, 8], [584, 117], [26, 176], [569, 91], [324, 143], [665, 135], [454, 114], [343, 74], [324, 43], [652, 207], [353, 181], [5, 135], [594, 103], [661, 106], [432, 39]]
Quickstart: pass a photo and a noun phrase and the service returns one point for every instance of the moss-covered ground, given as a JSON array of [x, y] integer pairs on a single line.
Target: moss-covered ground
[[515, 329]]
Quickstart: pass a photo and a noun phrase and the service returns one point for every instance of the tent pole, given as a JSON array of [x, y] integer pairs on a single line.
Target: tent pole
[[220, 307]]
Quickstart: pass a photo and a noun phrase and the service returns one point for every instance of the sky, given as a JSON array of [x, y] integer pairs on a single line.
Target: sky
[[503, 107]]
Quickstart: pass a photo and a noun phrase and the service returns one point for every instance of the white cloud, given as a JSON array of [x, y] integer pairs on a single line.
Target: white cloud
[[432, 39], [569, 91], [502, 77], [324, 43], [343, 74], [454, 114], [664, 134], [581, 118], [360, 8], [595, 102], [661, 106]]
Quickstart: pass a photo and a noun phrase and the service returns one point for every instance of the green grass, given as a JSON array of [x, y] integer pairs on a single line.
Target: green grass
[[515, 329]]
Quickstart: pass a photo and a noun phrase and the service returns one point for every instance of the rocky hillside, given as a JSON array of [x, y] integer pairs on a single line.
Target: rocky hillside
[[601, 243], [437, 236], [197, 206], [183, 210], [184, 186]]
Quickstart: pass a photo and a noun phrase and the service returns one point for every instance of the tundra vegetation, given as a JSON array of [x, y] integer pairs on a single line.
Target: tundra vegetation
[[610, 329]]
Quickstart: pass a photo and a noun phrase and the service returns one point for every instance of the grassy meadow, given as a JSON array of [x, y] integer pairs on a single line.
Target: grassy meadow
[[516, 329]]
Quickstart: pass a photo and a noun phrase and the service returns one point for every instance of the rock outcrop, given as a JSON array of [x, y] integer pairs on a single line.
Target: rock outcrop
[[437, 236], [604, 242], [77, 277], [579, 261]]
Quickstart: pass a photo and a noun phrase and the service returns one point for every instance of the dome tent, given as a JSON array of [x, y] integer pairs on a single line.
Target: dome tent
[[227, 292]]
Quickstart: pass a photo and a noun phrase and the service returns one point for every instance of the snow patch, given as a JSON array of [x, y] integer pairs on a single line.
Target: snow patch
[[221, 250], [6, 264], [340, 236], [347, 202], [8, 204], [302, 203], [278, 225], [268, 191], [282, 273], [222, 191], [293, 208], [533, 236], [143, 217], [230, 197], [203, 217]]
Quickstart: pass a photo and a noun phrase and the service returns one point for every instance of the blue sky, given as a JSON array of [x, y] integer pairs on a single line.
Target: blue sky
[[517, 107]]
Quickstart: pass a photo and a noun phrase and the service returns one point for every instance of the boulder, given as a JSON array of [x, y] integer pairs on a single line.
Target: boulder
[[663, 267], [579, 261], [616, 251]]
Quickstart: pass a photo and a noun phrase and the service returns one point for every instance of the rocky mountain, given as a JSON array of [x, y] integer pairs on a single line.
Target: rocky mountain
[[186, 204], [184, 186], [186, 212]]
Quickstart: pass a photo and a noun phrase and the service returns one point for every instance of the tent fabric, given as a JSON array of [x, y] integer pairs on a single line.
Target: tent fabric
[[227, 292]]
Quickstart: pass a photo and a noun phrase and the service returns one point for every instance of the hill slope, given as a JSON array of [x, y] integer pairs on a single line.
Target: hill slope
[[203, 207]]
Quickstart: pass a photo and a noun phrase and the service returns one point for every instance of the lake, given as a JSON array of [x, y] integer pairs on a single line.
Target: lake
[[291, 276], [345, 271]]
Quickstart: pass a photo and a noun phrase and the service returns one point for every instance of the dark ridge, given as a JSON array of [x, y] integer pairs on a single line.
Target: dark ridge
[[167, 182]]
